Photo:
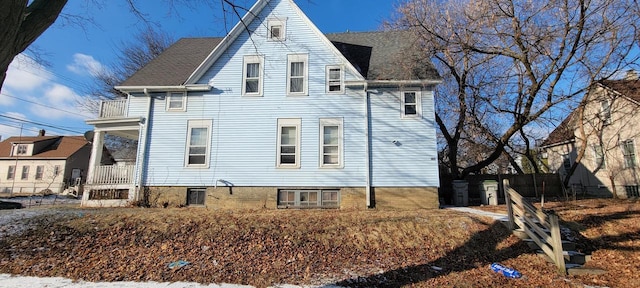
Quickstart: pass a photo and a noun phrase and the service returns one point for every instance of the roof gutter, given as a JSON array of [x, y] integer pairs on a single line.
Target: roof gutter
[[374, 83], [177, 88]]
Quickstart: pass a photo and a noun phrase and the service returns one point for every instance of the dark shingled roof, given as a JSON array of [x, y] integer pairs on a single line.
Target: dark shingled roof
[[563, 133], [57, 147], [175, 64], [390, 55], [629, 88]]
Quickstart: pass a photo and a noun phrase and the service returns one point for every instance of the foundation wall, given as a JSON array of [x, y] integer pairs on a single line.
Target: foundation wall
[[234, 198]]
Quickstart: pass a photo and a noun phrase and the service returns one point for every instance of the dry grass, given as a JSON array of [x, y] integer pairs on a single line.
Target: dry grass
[[261, 248]]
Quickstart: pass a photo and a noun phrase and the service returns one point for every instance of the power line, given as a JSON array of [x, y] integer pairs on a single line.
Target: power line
[[41, 124], [36, 103]]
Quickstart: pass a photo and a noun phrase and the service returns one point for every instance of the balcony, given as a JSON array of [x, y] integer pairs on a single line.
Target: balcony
[[113, 109]]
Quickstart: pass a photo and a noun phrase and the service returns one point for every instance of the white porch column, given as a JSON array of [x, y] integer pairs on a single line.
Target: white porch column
[[96, 154]]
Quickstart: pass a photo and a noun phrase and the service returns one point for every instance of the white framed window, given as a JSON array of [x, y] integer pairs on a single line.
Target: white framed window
[[56, 170], [335, 79], [176, 101], [331, 143], [410, 101], [598, 156], [308, 198], [629, 153], [277, 29], [297, 74], [288, 147], [252, 75], [11, 172], [25, 173], [198, 143], [39, 171], [605, 112], [21, 149]]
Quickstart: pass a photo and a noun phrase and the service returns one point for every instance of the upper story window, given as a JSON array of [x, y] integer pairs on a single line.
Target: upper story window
[[39, 172], [56, 170], [25, 173], [598, 156], [176, 101], [331, 143], [629, 153], [605, 112], [277, 29], [252, 76], [11, 172], [21, 149], [297, 74], [335, 79], [198, 143], [410, 104], [288, 153]]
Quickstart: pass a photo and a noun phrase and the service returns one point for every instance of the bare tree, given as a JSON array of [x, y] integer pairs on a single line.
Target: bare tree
[[505, 63]]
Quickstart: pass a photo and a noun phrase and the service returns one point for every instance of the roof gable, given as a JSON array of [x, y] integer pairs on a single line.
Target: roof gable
[[627, 88], [256, 13]]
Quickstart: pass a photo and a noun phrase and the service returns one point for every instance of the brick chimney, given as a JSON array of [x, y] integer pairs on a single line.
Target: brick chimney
[[41, 132]]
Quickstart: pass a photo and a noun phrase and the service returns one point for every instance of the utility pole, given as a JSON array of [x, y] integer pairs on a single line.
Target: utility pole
[[15, 167]]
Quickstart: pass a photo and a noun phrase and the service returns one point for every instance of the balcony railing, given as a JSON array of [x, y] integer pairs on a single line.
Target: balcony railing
[[113, 108], [113, 174]]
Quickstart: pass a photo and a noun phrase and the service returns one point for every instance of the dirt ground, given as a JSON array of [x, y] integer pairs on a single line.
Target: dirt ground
[[425, 248]]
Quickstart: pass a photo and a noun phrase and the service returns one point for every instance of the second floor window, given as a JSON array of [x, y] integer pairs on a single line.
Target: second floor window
[[334, 76], [11, 172], [605, 112], [176, 101], [39, 172], [410, 104], [598, 155], [25, 173], [297, 75]]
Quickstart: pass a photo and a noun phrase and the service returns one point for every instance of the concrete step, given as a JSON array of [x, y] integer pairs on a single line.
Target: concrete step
[[581, 270]]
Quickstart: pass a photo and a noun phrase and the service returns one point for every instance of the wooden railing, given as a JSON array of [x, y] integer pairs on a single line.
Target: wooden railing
[[113, 174], [543, 228], [113, 108]]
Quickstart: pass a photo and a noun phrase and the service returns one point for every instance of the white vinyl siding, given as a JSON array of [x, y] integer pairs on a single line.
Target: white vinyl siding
[[335, 79], [288, 143], [297, 74], [411, 106], [252, 75], [198, 143], [176, 101], [331, 143]]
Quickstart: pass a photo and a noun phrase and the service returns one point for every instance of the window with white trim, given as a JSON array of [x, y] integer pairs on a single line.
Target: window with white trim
[[11, 172], [566, 162], [605, 112], [198, 143], [288, 153], [335, 79], [276, 29], [309, 198], [598, 156], [331, 143], [21, 149], [176, 101], [39, 172], [629, 153], [25, 173], [297, 74], [410, 104], [252, 75]]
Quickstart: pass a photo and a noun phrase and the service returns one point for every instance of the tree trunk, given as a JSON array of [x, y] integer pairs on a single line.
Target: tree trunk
[[22, 25]]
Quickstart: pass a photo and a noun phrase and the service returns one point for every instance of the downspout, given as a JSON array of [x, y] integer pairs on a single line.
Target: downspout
[[367, 146], [144, 128]]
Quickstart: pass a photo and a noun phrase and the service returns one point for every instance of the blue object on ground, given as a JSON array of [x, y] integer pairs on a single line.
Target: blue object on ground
[[178, 264], [506, 271]]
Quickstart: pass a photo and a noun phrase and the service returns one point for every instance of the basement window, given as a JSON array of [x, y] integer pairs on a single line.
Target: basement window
[[632, 191], [195, 196], [309, 198]]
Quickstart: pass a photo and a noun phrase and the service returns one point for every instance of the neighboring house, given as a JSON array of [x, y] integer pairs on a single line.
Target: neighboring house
[[42, 164], [276, 115], [609, 131]]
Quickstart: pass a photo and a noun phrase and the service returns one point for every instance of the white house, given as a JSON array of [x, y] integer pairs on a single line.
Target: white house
[[276, 115]]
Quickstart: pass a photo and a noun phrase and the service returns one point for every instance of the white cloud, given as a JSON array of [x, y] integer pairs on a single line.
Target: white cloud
[[9, 127], [24, 75], [85, 64]]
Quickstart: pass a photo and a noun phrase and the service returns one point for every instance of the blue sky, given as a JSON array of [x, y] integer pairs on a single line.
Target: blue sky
[[86, 38]]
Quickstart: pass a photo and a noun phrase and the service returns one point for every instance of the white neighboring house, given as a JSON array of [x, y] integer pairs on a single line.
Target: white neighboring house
[[611, 132], [35, 164]]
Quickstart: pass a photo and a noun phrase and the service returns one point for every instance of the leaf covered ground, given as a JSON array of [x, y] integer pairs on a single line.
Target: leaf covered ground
[[426, 248]]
